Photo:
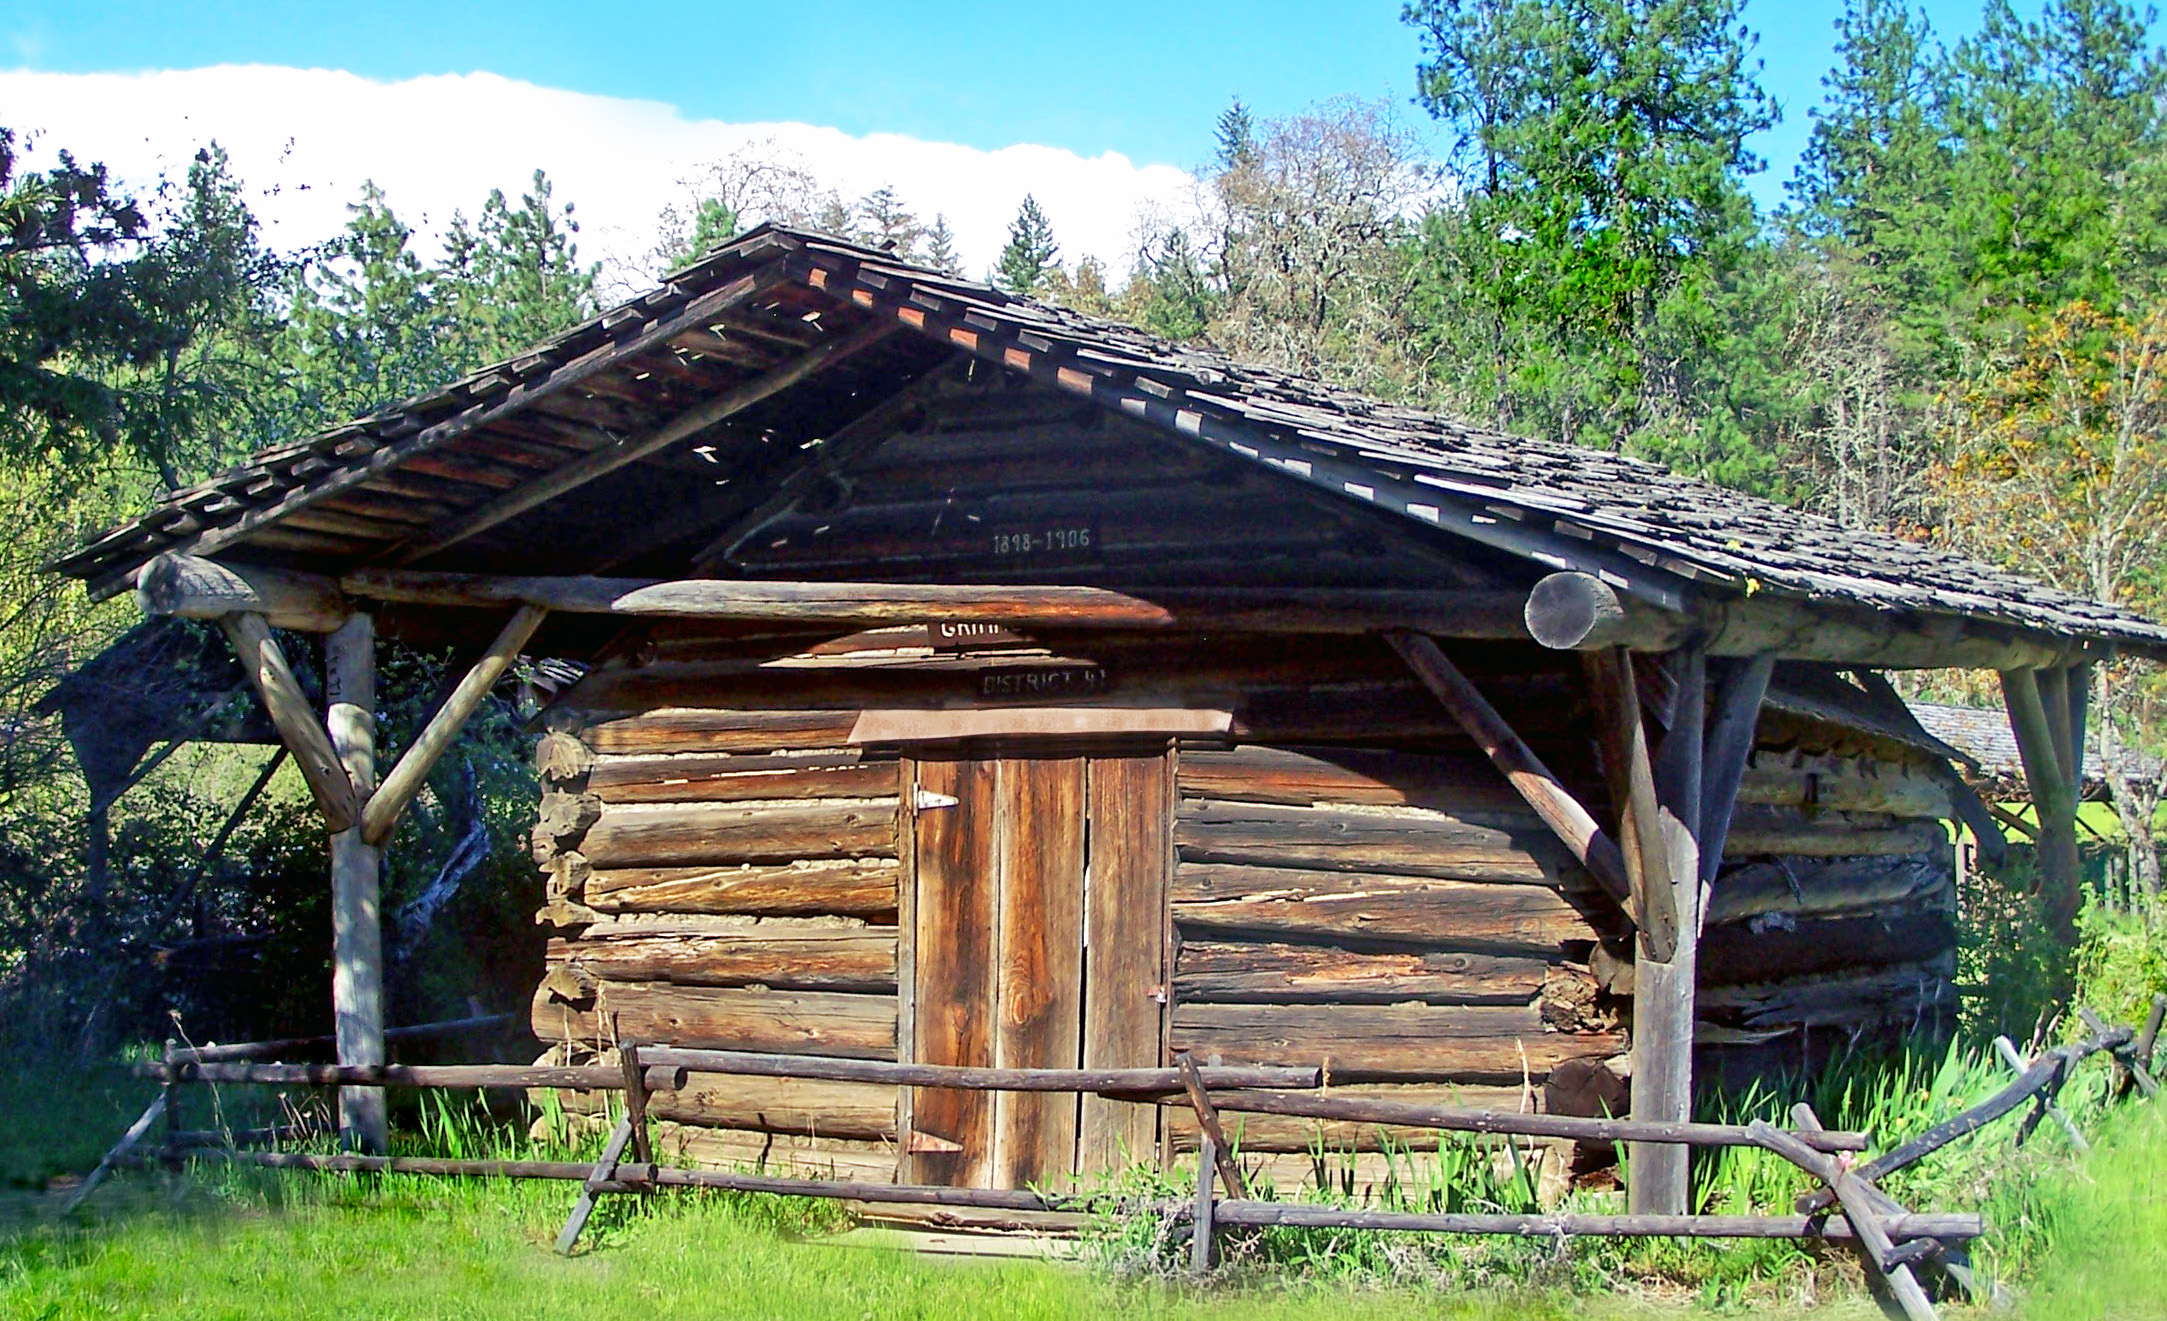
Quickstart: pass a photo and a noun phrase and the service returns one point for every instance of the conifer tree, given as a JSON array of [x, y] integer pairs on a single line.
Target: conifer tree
[[940, 248], [1235, 136], [884, 222], [1031, 251]]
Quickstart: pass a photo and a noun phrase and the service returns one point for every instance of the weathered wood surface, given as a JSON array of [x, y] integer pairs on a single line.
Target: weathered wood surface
[[1129, 801], [264, 662], [855, 887], [1038, 1000], [679, 834], [731, 1152], [798, 959], [1303, 777], [190, 587], [721, 778], [806, 1106], [531, 492], [1550, 799], [726, 1018], [1805, 887], [1579, 611], [466, 1076], [1379, 1109], [1385, 1042], [1758, 830], [1221, 897], [357, 937], [1408, 841], [1777, 947], [1293, 1133], [1838, 782], [693, 730], [1472, 614], [1390, 713], [975, 1078], [1239, 972], [956, 916]]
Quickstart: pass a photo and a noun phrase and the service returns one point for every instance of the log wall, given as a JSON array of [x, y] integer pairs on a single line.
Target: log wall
[[729, 885], [726, 868]]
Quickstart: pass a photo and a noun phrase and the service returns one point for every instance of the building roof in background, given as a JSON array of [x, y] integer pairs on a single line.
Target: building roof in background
[[376, 490], [1983, 735]]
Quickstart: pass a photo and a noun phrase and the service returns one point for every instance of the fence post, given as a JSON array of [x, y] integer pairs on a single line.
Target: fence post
[[171, 1089], [1207, 1156], [628, 1058], [2006, 1048], [1207, 1121]]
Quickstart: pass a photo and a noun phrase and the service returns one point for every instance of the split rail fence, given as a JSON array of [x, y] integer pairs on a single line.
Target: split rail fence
[[1848, 1206]]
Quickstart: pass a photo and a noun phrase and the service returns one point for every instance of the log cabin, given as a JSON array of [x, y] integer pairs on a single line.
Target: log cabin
[[972, 681]]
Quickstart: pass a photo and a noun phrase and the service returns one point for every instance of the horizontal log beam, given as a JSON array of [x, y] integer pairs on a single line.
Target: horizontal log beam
[[965, 1078], [1459, 1119], [1580, 612], [659, 1078], [1567, 1224], [1480, 614], [191, 587]]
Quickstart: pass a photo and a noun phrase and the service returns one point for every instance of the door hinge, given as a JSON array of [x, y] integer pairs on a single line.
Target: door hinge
[[925, 800]]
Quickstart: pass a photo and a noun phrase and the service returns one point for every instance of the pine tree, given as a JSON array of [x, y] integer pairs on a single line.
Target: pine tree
[[940, 248], [366, 326], [515, 278], [1236, 137], [884, 222], [1030, 253], [1176, 296]]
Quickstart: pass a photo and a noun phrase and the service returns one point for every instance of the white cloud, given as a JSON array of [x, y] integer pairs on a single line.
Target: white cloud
[[303, 140]]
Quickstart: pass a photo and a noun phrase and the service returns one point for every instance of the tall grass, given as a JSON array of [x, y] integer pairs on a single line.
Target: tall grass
[[2019, 1188]]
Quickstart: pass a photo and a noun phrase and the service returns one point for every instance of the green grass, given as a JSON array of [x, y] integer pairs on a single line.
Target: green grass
[[398, 1248], [2106, 1219], [2076, 1239], [60, 1120]]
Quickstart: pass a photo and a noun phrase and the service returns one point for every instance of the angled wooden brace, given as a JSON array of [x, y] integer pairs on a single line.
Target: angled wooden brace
[[1533, 781], [381, 814]]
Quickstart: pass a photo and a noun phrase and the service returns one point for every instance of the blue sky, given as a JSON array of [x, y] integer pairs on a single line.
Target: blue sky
[[1142, 79]]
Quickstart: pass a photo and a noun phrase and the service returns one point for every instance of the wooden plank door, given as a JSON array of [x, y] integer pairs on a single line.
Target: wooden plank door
[[1127, 928], [947, 1135], [1038, 983], [1037, 934]]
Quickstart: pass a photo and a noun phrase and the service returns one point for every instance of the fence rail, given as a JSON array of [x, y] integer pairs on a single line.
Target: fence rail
[[1848, 1207]]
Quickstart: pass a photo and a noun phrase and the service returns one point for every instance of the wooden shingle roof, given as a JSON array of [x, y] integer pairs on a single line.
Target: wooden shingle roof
[[371, 492]]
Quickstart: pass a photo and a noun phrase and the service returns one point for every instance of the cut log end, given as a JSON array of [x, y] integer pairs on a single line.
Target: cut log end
[[1575, 612]]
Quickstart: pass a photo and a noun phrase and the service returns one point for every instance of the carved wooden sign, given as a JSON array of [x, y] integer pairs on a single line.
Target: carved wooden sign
[[962, 635], [1056, 541], [1038, 683]]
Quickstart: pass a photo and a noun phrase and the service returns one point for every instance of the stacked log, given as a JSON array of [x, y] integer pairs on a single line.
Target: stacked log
[[1401, 919], [726, 883], [1836, 911]]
